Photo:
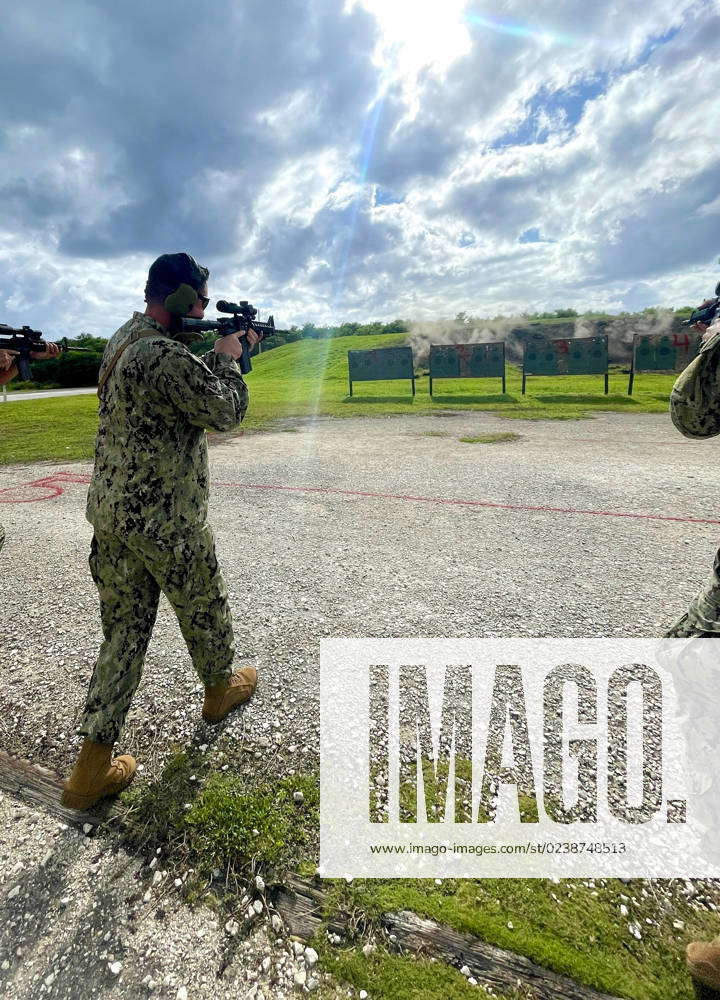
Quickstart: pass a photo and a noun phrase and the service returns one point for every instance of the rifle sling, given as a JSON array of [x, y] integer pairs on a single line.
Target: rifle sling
[[131, 340]]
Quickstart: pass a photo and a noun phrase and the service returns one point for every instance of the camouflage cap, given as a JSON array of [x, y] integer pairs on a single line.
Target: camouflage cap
[[171, 270]]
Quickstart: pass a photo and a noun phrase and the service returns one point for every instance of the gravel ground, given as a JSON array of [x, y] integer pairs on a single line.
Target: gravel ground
[[76, 914], [304, 564]]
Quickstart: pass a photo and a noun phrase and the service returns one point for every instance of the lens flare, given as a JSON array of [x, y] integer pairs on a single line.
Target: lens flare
[[505, 27], [346, 235]]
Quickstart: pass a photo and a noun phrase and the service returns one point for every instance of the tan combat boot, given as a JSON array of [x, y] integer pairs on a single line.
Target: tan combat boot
[[703, 963], [222, 698], [97, 775]]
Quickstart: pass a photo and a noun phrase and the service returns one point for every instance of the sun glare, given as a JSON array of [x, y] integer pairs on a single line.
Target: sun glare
[[419, 33]]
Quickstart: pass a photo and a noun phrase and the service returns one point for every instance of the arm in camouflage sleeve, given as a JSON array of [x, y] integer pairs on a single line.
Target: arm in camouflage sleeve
[[695, 397], [209, 391]]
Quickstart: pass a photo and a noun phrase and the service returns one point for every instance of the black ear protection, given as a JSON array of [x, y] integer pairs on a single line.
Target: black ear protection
[[181, 301]]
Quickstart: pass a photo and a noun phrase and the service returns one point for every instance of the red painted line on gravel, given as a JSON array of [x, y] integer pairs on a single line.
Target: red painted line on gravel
[[47, 483], [50, 483], [471, 503]]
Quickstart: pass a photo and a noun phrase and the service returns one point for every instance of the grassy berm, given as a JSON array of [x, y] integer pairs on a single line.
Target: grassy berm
[[310, 377]]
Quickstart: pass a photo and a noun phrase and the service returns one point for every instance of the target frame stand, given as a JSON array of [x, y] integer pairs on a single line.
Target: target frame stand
[[453, 361], [657, 353], [566, 356], [383, 364]]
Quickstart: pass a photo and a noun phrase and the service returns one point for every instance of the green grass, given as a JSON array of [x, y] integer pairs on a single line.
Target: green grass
[[491, 438], [206, 819], [579, 933], [309, 378], [395, 977], [36, 430], [570, 927]]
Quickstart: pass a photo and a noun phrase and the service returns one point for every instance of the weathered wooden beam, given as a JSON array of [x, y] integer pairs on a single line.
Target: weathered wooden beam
[[491, 966], [301, 904], [40, 787]]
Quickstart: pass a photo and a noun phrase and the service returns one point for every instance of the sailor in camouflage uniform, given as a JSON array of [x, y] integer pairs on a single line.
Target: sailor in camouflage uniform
[[148, 502], [695, 411]]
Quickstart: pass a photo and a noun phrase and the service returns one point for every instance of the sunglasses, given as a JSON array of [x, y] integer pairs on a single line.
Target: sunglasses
[[204, 299]]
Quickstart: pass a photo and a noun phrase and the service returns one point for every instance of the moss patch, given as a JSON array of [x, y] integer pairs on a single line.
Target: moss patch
[[208, 820], [491, 438], [572, 927], [394, 977]]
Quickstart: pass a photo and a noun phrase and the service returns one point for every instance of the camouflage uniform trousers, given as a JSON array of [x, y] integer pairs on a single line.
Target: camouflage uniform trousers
[[129, 573], [702, 618]]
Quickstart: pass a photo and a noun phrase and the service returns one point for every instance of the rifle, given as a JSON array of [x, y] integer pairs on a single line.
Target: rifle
[[706, 312], [26, 342], [242, 318], [703, 314]]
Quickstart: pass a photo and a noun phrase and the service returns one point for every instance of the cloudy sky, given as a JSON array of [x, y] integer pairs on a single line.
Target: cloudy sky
[[363, 161]]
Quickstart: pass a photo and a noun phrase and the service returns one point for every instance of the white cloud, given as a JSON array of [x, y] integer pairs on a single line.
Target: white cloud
[[258, 144]]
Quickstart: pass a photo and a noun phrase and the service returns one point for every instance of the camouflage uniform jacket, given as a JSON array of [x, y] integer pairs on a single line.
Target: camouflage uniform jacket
[[151, 462], [695, 397]]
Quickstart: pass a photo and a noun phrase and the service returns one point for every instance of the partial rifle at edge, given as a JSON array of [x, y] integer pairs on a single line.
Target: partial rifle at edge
[[706, 312], [26, 342]]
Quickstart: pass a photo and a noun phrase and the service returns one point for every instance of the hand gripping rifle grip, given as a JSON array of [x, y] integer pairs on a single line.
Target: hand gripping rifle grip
[[244, 361], [23, 365]]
